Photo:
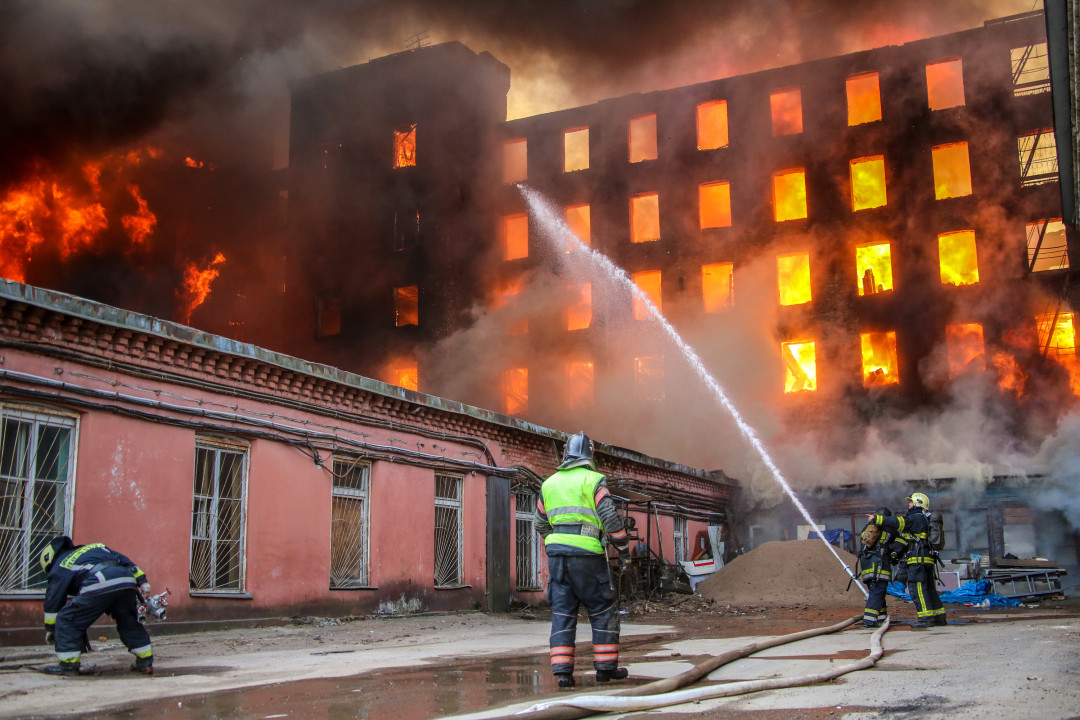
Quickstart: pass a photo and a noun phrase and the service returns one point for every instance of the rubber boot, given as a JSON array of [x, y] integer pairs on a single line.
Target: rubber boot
[[63, 668], [604, 676], [940, 620], [143, 665], [566, 680]]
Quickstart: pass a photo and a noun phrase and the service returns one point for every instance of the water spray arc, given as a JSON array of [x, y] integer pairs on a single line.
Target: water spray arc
[[547, 217]]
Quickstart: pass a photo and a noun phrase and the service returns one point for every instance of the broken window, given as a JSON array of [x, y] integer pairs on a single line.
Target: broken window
[[1030, 69], [405, 146], [786, 108], [712, 125], [515, 390], [507, 300], [643, 138], [515, 161], [327, 317], [714, 205], [579, 385], [217, 516], [645, 217], [576, 149], [649, 378], [579, 220], [945, 83], [964, 345], [349, 523], [37, 452], [649, 283], [863, 99], [406, 228], [529, 553], [868, 183], [879, 359], [716, 286], [958, 260], [789, 195], [449, 531], [1057, 340], [515, 236], [793, 278], [680, 538], [1046, 246], [800, 365], [404, 373], [406, 306], [873, 264], [579, 311], [952, 171], [1038, 157]]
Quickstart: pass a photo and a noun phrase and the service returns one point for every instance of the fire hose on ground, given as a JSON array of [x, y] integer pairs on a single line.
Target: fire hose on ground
[[666, 692]]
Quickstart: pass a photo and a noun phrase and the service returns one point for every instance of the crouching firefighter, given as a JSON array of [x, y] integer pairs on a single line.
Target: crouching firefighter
[[913, 528], [879, 549], [574, 512], [98, 581]]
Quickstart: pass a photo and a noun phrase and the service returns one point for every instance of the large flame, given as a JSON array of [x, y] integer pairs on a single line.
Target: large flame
[[957, 258], [716, 286], [945, 84], [952, 170], [879, 359], [645, 217], [789, 195], [800, 365], [863, 99], [714, 205], [712, 125], [793, 278], [403, 373], [1057, 340], [405, 146], [406, 306], [868, 182], [515, 390], [515, 236], [965, 347], [196, 286], [873, 263], [786, 106]]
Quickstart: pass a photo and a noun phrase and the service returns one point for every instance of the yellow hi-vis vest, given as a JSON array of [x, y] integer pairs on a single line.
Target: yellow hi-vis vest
[[569, 501]]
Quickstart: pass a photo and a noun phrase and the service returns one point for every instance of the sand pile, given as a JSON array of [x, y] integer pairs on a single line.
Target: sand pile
[[798, 573]]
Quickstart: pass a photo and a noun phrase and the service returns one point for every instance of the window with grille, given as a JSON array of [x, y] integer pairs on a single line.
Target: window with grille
[[1038, 157], [37, 452], [449, 550], [529, 547], [681, 544], [1046, 245], [1030, 69], [218, 516], [349, 524]]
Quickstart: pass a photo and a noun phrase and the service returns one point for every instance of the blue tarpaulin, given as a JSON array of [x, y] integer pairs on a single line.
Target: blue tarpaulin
[[973, 591], [830, 536]]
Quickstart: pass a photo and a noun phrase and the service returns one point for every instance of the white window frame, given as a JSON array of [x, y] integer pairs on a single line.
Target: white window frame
[[202, 520], [20, 574], [359, 499], [449, 532], [680, 530], [528, 547]]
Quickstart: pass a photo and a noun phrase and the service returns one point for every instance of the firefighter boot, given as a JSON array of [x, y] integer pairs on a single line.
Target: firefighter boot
[[70, 667], [566, 680], [144, 665], [940, 620], [603, 676]]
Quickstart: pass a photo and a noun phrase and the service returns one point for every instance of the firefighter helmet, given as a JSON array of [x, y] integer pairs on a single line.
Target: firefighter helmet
[[919, 500], [578, 452], [56, 546]]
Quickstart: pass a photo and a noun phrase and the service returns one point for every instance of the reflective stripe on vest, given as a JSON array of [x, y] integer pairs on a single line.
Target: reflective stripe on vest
[[77, 553], [568, 498]]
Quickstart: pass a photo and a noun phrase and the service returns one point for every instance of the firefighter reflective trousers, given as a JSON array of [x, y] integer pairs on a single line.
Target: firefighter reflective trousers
[[924, 594], [582, 580], [875, 612], [77, 616]]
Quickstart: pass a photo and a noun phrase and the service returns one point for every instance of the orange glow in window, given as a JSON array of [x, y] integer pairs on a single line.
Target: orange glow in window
[[649, 282], [789, 195], [800, 365], [579, 312], [645, 218], [793, 277], [649, 378], [576, 149], [863, 99], [403, 373], [405, 146], [507, 298], [786, 108], [952, 171], [643, 138], [964, 344], [873, 265], [579, 220], [879, 359], [579, 385], [716, 287], [945, 84], [515, 161], [407, 306], [868, 182], [1057, 339], [515, 236], [515, 390], [958, 260], [712, 125], [714, 205]]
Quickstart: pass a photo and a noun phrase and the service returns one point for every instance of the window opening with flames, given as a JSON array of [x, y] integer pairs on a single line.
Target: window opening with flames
[[863, 98], [957, 258], [945, 83], [789, 195], [800, 365], [786, 108], [649, 282], [579, 310], [793, 278], [645, 217], [714, 205], [712, 125], [406, 306], [579, 220], [952, 170], [405, 146], [873, 265], [965, 347], [716, 286], [868, 183], [879, 359], [576, 149], [515, 390], [515, 236], [642, 138]]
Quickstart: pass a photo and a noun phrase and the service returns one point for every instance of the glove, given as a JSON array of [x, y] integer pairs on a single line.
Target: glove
[[624, 559], [50, 637], [145, 589]]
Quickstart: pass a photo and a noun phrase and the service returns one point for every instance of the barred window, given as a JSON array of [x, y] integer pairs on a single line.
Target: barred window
[[681, 544], [349, 529], [449, 550], [218, 516], [1038, 157], [529, 547], [37, 449]]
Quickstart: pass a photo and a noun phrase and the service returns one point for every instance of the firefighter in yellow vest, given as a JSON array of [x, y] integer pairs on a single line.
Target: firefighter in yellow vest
[[574, 512]]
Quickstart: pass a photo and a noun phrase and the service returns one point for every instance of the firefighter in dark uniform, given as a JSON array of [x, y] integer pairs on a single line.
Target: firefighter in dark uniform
[[920, 562], [876, 559], [574, 512], [99, 581]]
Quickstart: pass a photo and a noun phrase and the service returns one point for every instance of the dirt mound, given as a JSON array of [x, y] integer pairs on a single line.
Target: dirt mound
[[800, 573]]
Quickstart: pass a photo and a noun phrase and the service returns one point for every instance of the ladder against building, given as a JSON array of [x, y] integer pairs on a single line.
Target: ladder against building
[[1029, 583]]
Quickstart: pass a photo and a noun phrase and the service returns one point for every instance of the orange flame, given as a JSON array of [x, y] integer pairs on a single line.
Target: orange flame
[[196, 286], [193, 163], [965, 349], [140, 225], [879, 359], [1011, 377], [800, 365], [793, 278], [789, 195], [21, 213]]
